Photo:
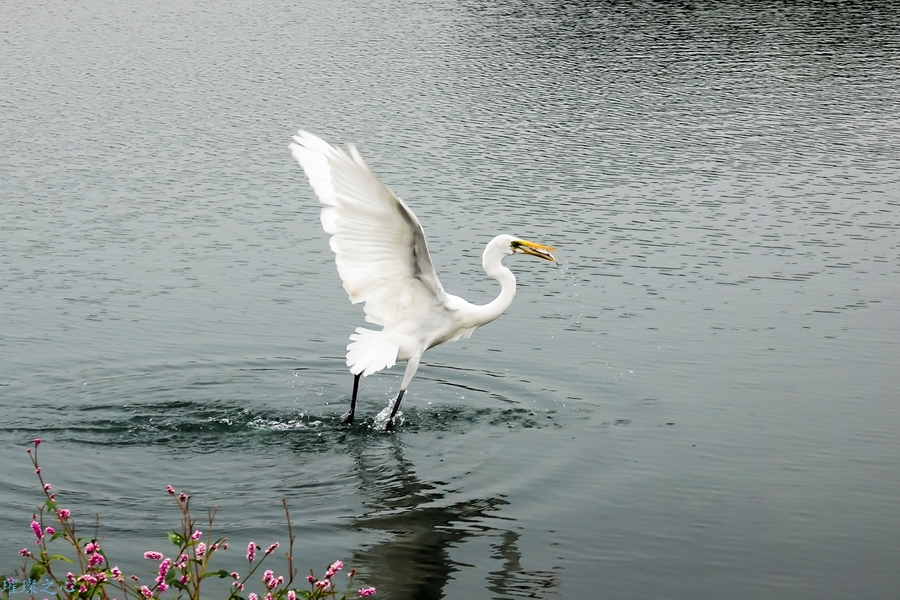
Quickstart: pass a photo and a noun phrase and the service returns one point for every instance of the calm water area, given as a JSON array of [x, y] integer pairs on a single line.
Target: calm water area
[[699, 402]]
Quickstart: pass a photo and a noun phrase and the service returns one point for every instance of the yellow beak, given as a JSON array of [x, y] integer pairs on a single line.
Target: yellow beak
[[539, 250]]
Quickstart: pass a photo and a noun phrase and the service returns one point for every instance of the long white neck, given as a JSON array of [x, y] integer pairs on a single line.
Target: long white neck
[[481, 315]]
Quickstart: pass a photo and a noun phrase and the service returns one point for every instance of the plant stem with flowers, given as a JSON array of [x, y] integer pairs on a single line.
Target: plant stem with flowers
[[181, 575]]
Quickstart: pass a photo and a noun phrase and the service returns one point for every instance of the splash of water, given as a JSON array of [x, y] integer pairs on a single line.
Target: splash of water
[[382, 417], [563, 268]]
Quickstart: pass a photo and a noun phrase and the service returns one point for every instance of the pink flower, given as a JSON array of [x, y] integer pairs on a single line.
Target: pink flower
[[164, 567], [196, 535], [252, 596], [366, 592], [64, 513], [251, 551], [271, 548], [90, 547], [117, 574], [49, 530], [146, 591], [182, 497], [323, 584], [95, 559], [235, 575], [268, 597], [37, 441], [333, 569], [183, 579], [46, 487], [170, 489], [38, 470], [201, 549], [25, 552], [292, 595], [36, 528], [152, 555], [310, 578], [268, 576]]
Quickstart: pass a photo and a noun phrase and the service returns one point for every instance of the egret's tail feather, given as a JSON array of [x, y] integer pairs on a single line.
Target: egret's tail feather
[[370, 352]]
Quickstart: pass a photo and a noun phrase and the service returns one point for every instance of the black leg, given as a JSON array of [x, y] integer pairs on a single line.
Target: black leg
[[389, 426], [348, 416]]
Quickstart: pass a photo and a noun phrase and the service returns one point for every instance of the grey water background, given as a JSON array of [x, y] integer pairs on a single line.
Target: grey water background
[[700, 403]]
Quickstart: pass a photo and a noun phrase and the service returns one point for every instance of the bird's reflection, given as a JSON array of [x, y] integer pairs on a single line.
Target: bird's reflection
[[419, 531]]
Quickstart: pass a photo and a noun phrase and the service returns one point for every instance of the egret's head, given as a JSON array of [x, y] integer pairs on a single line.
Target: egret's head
[[503, 245], [518, 246]]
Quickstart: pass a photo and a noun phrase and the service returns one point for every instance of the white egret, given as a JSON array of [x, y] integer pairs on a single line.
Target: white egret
[[383, 260]]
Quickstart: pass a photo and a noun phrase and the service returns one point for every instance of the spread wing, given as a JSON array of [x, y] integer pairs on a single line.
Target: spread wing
[[378, 242]]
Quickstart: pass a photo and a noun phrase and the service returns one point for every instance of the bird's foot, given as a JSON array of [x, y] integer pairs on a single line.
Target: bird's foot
[[347, 418]]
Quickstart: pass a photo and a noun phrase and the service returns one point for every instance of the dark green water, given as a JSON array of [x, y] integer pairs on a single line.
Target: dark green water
[[700, 404]]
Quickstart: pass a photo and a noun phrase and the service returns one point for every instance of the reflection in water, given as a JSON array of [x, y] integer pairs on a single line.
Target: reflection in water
[[415, 561]]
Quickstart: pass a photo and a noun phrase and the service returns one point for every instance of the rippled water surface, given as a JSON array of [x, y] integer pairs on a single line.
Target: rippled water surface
[[700, 402]]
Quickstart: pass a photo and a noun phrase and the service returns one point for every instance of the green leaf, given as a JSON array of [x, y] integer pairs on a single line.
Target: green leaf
[[176, 539], [50, 504], [221, 574], [37, 571], [57, 535], [59, 557]]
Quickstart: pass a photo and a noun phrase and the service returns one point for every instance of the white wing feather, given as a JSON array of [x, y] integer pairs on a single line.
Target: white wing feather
[[379, 244]]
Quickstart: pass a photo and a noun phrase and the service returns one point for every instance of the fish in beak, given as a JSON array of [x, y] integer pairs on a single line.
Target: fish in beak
[[539, 250]]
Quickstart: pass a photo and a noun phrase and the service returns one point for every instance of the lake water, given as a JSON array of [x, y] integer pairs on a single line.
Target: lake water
[[699, 403]]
